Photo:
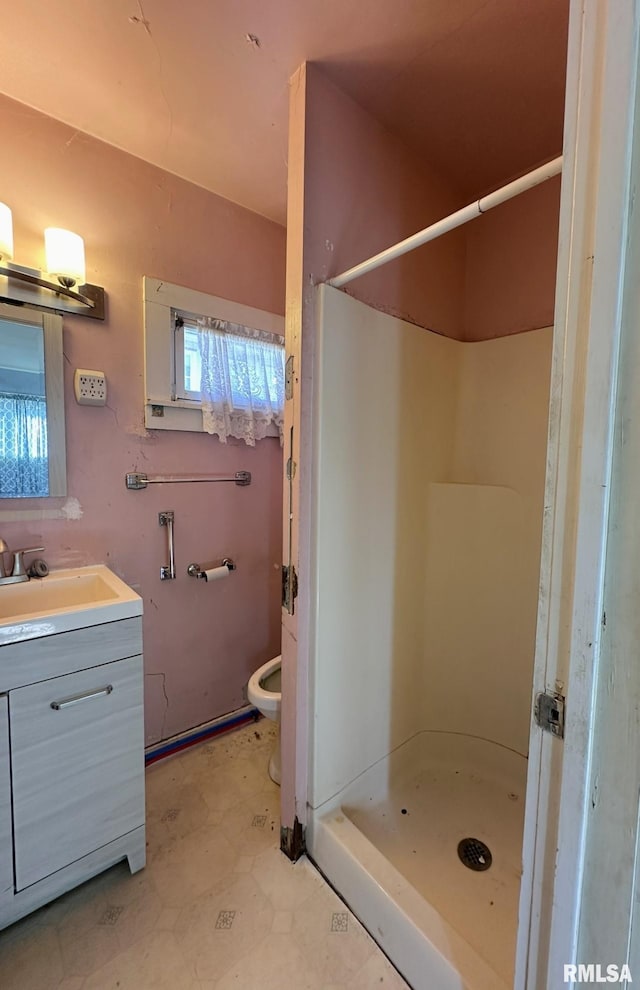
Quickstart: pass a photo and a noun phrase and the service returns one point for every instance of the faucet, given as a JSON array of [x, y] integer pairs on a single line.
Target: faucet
[[18, 572]]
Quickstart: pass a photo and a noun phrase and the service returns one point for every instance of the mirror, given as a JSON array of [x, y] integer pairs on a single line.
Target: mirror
[[32, 439]]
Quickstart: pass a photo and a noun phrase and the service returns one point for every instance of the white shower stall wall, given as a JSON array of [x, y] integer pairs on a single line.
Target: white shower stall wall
[[428, 511], [484, 526]]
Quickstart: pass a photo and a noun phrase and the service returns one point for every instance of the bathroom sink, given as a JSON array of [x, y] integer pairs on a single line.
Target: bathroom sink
[[67, 599]]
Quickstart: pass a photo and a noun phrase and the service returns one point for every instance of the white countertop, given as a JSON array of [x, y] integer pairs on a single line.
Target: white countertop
[[67, 599]]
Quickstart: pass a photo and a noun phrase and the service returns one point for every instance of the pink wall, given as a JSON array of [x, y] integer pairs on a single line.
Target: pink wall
[[511, 265], [201, 643], [353, 190], [365, 190]]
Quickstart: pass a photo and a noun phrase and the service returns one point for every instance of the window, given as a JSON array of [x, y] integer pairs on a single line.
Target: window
[[187, 360], [192, 362], [237, 350], [235, 373]]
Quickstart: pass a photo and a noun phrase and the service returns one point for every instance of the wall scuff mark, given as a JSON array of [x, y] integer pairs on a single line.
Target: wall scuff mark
[[71, 509]]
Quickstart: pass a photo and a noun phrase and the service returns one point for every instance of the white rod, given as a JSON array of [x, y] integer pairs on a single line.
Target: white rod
[[456, 219]]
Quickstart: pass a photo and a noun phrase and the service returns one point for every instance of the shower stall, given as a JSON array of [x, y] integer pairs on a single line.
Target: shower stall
[[447, 506], [428, 513]]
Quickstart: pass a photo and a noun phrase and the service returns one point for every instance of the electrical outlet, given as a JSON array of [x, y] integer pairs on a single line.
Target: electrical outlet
[[90, 387]]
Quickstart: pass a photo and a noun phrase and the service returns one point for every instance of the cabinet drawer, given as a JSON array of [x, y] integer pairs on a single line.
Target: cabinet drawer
[[77, 762], [52, 656]]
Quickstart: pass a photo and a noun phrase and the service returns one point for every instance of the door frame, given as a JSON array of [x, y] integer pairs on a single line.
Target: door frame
[[594, 215]]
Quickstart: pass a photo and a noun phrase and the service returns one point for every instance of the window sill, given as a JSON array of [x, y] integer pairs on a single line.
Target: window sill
[[182, 415]]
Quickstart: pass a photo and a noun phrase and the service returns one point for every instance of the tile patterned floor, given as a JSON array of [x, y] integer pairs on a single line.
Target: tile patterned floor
[[218, 907]]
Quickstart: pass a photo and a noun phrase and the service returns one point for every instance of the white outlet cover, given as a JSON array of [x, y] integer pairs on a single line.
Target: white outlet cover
[[90, 387]]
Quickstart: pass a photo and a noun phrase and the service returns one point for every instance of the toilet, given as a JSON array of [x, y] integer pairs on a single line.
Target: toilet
[[264, 693]]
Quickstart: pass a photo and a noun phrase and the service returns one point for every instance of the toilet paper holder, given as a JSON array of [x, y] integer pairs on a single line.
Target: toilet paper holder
[[194, 570]]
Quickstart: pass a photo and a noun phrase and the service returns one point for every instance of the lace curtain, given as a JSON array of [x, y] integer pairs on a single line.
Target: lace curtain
[[242, 380], [23, 446]]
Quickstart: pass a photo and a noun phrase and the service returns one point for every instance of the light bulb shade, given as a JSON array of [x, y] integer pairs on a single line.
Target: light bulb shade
[[6, 233], [65, 255]]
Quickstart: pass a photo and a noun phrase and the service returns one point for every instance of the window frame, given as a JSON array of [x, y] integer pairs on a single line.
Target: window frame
[[163, 302]]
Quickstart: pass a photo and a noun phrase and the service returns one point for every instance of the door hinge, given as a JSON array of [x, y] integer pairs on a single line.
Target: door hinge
[[288, 378], [292, 840], [549, 713], [291, 469], [289, 587]]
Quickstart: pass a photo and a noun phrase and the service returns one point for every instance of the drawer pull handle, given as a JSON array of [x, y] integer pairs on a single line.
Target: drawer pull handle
[[77, 698]]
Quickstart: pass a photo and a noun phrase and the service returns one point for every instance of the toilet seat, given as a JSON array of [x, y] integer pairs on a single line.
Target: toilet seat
[[268, 702]]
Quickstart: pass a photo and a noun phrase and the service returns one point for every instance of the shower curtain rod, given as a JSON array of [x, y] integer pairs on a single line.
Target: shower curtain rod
[[467, 213]]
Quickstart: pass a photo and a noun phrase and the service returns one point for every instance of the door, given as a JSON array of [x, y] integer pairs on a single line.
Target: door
[[77, 765], [596, 220]]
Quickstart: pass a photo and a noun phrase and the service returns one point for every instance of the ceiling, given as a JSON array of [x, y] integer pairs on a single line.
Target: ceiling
[[200, 88]]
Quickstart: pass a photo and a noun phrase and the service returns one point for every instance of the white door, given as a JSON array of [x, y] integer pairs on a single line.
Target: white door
[[562, 916]]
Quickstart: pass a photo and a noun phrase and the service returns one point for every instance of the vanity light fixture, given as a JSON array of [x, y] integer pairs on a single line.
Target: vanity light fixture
[[62, 287], [6, 233], [64, 252]]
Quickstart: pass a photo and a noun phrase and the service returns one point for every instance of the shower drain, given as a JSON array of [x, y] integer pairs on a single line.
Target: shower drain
[[474, 854]]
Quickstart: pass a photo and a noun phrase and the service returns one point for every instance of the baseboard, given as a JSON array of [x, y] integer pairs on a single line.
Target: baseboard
[[200, 733]]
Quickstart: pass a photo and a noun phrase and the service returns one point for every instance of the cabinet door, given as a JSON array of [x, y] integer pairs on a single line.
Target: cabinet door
[[6, 844], [77, 757]]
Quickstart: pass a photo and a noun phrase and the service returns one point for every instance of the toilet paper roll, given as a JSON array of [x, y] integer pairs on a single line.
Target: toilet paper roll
[[216, 573]]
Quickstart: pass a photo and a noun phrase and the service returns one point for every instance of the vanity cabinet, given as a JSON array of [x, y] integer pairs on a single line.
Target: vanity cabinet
[[76, 746], [71, 761], [6, 845]]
